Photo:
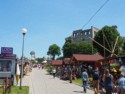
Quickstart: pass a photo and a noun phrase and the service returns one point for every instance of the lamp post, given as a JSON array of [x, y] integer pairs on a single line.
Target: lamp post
[[24, 31]]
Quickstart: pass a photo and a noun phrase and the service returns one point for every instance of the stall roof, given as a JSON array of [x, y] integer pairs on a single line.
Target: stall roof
[[56, 62], [66, 61], [87, 58], [110, 58]]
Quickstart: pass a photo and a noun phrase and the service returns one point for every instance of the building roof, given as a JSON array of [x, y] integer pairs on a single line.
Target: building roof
[[66, 61], [87, 58], [56, 62]]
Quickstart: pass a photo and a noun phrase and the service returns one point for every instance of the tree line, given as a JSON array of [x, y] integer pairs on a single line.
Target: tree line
[[107, 42]]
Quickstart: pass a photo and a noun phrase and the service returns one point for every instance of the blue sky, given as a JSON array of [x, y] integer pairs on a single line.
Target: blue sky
[[51, 21]]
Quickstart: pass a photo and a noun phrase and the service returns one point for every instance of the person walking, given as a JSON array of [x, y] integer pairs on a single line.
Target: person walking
[[121, 83], [70, 74], [95, 76], [84, 80], [108, 82], [54, 73], [101, 84]]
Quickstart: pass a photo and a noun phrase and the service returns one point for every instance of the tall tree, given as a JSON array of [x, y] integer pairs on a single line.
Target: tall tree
[[54, 50], [66, 50], [40, 60], [77, 48], [109, 38], [68, 39], [122, 48], [86, 48], [69, 49]]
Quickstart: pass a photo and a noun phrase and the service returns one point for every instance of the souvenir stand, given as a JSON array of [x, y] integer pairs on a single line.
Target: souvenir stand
[[114, 64], [84, 61], [7, 68]]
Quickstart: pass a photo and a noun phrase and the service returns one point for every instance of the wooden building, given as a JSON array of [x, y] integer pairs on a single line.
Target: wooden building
[[83, 59], [56, 62]]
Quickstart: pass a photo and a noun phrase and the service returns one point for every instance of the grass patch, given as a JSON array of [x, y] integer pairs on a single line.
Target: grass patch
[[78, 81], [49, 69], [16, 90]]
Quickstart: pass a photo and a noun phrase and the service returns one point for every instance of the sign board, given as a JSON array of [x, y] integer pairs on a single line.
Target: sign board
[[7, 56], [6, 50]]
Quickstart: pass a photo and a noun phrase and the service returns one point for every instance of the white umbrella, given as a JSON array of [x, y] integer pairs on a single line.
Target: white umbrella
[[44, 62]]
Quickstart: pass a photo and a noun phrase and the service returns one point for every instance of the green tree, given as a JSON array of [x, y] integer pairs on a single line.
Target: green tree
[[69, 49], [40, 60], [77, 48], [68, 39], [86, 48], [54, 50], [66, 50], [107, 37], [121, 49]]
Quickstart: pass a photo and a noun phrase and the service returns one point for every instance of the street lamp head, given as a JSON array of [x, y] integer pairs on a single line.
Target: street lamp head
[[24, 31]]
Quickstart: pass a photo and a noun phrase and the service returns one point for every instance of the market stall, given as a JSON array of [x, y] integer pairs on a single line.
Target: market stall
[[7, 68], [116, 65]]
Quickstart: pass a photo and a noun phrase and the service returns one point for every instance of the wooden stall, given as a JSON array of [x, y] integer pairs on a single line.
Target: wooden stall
[[80, 61], [116, 65], [7, 68]]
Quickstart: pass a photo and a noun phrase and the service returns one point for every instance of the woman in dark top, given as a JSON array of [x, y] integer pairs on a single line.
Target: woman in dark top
[[108, 82], [101, 82]]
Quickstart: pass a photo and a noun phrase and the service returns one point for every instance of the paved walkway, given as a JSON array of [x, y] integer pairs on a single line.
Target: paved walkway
[[42, 83]]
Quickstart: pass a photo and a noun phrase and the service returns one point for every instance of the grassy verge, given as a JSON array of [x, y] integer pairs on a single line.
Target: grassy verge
[[78, 81], [49, 69], [16, 90]]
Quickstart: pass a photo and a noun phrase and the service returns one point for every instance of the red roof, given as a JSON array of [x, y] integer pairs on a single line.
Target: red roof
[[57, 62], [66, 60], [82, 57]]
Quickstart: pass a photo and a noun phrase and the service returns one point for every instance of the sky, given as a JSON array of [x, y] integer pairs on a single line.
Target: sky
[[51, 21]]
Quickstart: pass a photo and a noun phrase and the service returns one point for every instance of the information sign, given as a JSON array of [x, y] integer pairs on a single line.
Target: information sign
[[6, 50], [7, 56]]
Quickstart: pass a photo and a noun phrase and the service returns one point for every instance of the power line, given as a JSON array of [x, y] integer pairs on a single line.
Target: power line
[[95, 13]]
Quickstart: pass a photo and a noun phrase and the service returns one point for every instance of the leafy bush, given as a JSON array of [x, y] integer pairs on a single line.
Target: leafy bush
[[49, 69]]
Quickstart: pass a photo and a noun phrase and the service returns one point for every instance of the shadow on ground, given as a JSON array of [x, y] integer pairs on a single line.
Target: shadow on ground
[[78, 91], [65, 83]]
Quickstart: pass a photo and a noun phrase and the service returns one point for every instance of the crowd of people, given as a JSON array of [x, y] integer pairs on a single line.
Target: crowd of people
[[104, 83], [68, 72]]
